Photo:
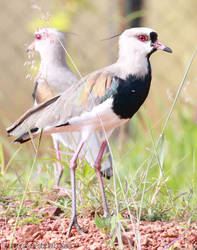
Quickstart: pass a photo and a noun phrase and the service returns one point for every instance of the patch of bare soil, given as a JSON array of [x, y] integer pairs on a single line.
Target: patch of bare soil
[[51, 234]]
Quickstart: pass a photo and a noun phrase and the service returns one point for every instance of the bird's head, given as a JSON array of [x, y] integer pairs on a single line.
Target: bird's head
[[140, 41], [47, 40]]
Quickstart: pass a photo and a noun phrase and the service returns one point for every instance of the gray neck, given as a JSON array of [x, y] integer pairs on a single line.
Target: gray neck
[[51, 59]]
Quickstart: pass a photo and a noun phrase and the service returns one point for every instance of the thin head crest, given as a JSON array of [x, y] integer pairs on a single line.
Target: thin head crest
[[110, 37]]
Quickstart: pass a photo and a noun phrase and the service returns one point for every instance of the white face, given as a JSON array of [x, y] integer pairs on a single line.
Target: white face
[[141, 41], [137, 40], [46, 39], [135, 46]]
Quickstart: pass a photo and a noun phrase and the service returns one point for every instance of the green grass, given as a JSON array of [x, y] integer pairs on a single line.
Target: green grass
[[178, 156]]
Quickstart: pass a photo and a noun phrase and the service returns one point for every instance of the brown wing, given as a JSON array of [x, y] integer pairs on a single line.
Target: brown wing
[[44, 92], [97, 84]]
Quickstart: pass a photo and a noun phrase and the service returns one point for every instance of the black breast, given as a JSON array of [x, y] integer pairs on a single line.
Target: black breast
[[130, 95]]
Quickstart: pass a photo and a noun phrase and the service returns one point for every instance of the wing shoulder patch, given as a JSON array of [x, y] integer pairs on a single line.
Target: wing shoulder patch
[[97, 83]]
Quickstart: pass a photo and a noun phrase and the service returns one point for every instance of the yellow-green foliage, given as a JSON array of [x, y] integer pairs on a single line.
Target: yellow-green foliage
[[60, 17]]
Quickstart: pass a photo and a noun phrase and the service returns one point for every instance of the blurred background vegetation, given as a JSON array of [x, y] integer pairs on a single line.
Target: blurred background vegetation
[[175, 21]]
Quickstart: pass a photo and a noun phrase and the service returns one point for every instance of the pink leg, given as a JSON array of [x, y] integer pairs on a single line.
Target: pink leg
[[73, 165], [97, 166]]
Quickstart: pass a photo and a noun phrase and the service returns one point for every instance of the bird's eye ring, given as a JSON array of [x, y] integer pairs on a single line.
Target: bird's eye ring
[[38, 36], [142, 38]]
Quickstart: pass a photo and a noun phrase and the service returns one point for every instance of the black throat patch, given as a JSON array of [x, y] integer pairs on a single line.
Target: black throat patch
[[131, 94], [153, 37]]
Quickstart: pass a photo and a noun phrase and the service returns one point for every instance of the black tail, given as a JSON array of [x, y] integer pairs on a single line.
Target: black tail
[[107, 173], [21, 139]]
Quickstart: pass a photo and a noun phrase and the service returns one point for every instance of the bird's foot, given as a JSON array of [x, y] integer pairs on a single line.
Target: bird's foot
[[75, 223]]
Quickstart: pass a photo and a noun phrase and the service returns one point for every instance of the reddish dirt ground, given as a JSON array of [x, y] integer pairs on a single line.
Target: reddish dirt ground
[[51, 234]]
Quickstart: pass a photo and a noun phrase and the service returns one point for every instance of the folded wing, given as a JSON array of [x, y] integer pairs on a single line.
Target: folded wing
[[82, 97]]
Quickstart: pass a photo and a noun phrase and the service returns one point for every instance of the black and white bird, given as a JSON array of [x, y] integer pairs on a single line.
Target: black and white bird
[[101, 101], [54, 77]]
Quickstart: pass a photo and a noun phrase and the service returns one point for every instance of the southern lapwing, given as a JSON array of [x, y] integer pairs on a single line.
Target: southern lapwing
[[53, 78], [101, 101]]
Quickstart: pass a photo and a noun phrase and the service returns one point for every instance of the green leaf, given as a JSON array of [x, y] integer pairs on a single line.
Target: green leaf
[[103, 223]]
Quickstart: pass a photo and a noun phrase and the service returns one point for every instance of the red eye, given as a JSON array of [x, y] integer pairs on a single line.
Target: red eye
[[142, 38], [38, 36]]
